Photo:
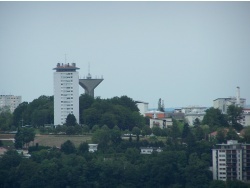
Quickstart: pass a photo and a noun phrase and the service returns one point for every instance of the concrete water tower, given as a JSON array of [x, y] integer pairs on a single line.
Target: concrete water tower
[[89, 84]]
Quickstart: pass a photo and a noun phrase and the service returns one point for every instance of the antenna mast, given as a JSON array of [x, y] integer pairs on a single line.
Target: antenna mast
[[89, 68], [89, 75]]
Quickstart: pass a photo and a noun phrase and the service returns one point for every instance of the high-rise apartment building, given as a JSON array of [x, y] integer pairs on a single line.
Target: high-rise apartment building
[[231, 161], [9, 102], [66, 92]]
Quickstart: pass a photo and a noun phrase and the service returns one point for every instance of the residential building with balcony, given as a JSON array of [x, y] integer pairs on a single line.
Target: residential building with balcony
[[231, 161]]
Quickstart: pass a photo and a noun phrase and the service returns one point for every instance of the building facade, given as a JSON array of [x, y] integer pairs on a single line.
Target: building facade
[[9, 102], [231, 161], [160, 122], [193, 112], [223, 103], [142, 106], [246, 117], [66, 93], [150, 150]]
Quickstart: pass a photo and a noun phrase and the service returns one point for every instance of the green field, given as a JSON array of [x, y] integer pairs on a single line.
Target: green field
[[57, 140]]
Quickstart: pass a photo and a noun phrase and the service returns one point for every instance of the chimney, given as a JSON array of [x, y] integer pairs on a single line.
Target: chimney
[[238, 96]]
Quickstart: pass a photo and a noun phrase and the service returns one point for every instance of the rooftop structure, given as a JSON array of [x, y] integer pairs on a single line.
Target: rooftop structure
[[66, 67]]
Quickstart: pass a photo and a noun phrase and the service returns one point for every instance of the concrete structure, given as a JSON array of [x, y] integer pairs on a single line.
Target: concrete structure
[[89, 84], [150, 150], [231, 161], [93, 147], [142, 106], [66, 92], [193, 112], [9, 102], [223, 103]]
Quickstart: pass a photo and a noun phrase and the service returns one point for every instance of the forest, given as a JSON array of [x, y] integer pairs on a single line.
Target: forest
[[184, 161]]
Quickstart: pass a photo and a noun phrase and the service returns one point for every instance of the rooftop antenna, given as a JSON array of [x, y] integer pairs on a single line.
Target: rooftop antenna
[[89, 75], [89, 68]]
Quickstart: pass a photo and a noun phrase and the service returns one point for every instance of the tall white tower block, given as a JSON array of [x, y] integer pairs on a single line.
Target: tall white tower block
[[66, 92]]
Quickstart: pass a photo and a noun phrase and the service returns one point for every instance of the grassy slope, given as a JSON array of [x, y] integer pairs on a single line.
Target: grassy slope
[[57, 140]]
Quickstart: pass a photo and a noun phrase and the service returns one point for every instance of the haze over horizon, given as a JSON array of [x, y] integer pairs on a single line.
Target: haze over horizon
[[186, 53]]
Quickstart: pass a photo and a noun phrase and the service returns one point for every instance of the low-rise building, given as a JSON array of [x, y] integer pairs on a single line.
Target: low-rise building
[[93, 147], [150, 150], [155, 114], [193, 112], [160, 122]]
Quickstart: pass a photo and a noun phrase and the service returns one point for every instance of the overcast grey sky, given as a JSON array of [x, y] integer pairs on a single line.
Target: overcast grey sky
[[187, 53]]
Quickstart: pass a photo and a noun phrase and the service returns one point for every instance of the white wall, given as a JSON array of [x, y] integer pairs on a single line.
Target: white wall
[[66, 96]]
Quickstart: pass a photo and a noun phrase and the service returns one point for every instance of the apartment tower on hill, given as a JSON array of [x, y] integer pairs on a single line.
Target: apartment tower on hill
[[66, 92]]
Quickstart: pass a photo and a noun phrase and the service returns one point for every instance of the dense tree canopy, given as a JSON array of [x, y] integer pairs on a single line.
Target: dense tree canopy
[[37, 113], [120, 111], [183, 163], [24, 136], [6, 120], [71, 120], [214, 118], [234, 115]]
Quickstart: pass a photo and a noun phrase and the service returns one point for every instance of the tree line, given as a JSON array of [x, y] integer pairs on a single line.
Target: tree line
[[121, 111], [183, 163]]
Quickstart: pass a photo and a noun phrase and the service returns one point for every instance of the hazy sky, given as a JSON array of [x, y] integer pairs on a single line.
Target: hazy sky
[[187, 53]]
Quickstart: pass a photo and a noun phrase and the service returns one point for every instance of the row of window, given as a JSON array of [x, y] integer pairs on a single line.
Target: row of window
[[66, 104], [65, 77], [66, 101], [66, 88], [66, 81], [222, 168], [67, 94]]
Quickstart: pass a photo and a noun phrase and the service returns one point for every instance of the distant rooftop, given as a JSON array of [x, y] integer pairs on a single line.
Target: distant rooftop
[[229, 98]]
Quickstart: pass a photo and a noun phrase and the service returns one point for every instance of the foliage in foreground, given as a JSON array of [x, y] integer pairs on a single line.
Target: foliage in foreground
[[117, 164]]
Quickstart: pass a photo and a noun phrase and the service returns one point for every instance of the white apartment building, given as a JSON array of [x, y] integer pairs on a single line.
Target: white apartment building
[[231, 161], [66, 93], [142, 106], [9, 102], [193, 112], [223, 103]]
